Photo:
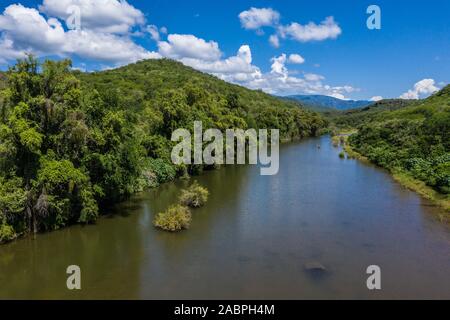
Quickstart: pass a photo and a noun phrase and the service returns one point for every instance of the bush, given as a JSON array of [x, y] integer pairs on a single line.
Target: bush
[[163, 170], [195, 196], [342, 155], [176, 218], [6, 233]]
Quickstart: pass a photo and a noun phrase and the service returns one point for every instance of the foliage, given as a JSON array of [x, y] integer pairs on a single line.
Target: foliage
[[414, 139], [6, 233], [163, 171], [195, 196], [176, 218], [72, 142]]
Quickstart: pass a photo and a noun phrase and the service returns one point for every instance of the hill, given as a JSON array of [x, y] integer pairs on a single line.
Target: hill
[[322, 103], [411, 138], [72, 142], [355, 117]]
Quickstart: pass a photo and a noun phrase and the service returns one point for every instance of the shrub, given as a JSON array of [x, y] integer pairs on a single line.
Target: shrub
[[342, 155], [195, 196], [6, 233], [163, 170], [176, 218]]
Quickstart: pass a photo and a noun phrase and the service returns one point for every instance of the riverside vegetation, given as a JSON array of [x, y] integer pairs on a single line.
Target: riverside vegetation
[[178, 216], [411, 139], [72, 143]]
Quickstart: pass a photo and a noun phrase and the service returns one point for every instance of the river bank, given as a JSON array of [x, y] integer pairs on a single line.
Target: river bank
[[405, 179]]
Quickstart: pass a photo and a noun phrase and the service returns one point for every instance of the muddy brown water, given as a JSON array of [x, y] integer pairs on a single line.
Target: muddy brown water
[[251, 240]]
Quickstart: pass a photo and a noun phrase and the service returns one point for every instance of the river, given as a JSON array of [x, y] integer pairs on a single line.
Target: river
[[251, 240]]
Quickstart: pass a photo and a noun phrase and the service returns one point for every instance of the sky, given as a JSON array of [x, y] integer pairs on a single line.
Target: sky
[[281, 47]]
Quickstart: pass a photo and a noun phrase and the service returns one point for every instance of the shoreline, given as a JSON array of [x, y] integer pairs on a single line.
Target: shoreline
[[403, 178]]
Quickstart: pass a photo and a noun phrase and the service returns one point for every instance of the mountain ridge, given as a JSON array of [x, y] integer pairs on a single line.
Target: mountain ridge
[[322, 102]]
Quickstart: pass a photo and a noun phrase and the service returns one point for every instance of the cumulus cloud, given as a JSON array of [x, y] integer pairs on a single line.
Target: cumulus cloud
[[238, 69], [109, 43], [110, 16], [424, 87], [255, 18], [327, 29], [296, 59], [281, 82], [376, 98], [27, 30], [8, 52], [180, 46]]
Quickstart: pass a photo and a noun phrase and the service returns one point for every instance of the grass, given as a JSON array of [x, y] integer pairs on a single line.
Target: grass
[[341, 139], [425, 191]]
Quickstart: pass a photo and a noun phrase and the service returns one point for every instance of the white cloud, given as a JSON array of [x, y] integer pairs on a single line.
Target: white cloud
[[376, 98], [105, 47], [296, 58], [237, 69], [110, 16], [313, 77], [256, 18], [26, 30], [422, 88], [110, 44], [279, 65], [154, 32], [274, 41], [180, 46], [327, 29], [280, 81], [8, 52]]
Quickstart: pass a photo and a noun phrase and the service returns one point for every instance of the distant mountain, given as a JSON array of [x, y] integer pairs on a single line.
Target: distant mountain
[[321, 103]]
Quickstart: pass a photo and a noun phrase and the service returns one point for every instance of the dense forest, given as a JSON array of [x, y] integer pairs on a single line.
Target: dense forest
[[410, 137], [72, 142], [354, 117]]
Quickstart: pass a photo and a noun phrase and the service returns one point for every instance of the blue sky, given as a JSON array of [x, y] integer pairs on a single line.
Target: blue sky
[[408, 56]]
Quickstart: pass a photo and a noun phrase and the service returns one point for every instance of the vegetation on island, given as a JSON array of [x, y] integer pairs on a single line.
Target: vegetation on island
[[195, 196], [175, 218], [72, 143], [178, 216]]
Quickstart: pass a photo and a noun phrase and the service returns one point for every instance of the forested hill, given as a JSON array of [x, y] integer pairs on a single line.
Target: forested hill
[[149, 78], [72, 142], [154, 82], [412, 139], [355, 117]]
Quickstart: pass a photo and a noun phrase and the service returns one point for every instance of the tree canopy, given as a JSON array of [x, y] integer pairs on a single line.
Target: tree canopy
[[72, 142]]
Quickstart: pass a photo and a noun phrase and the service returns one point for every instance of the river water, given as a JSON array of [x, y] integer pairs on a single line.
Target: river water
[[251, 240]]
